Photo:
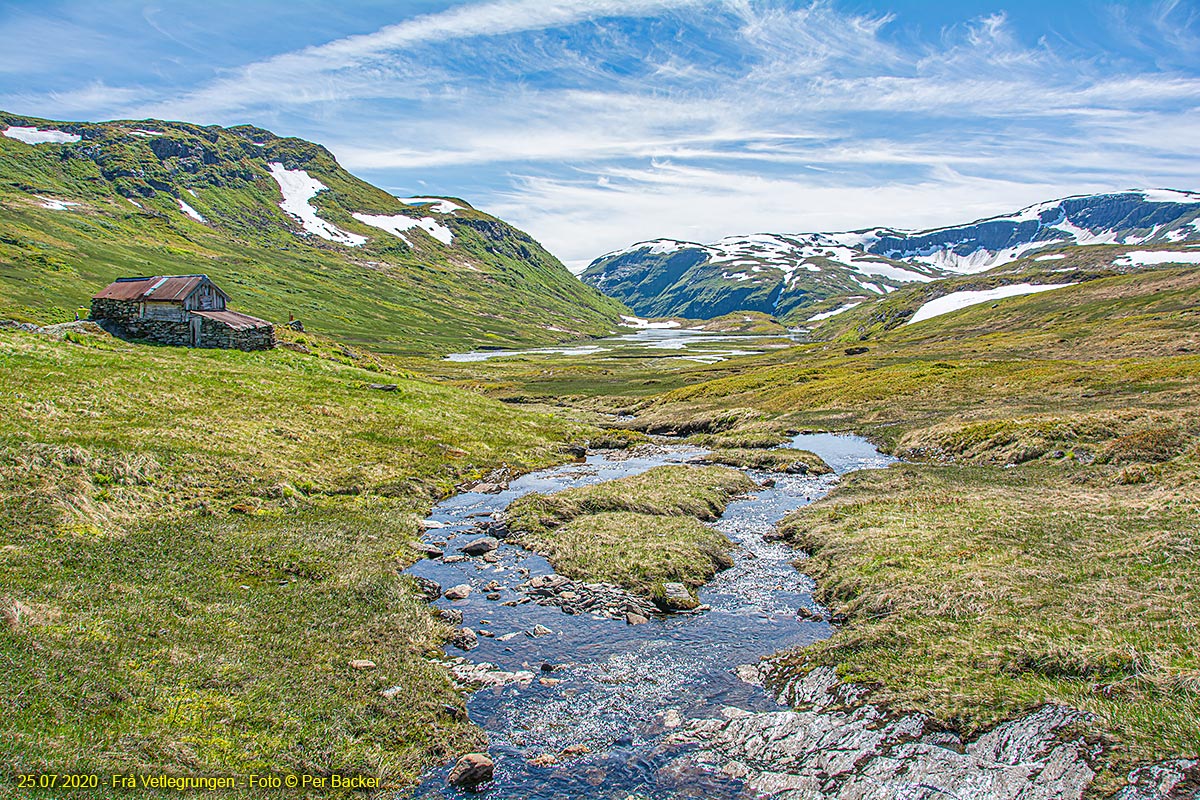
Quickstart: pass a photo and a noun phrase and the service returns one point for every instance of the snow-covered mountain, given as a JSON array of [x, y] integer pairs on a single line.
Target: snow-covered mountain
[[780, 273]]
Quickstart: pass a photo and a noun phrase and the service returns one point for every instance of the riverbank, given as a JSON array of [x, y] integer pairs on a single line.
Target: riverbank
[[200, 553]]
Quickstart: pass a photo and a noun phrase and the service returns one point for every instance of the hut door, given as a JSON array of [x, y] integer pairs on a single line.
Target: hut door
[[195, 322]]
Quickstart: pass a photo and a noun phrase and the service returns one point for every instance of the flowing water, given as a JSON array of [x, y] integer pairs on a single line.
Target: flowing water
[[622, 685]]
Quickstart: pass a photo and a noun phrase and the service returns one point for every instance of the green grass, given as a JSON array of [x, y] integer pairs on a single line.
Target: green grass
[[129, 642], [493, 286], [977, 593], [639, 532], [799, 462]]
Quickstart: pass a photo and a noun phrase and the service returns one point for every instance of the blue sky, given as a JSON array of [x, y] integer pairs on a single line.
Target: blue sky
[[596, 123]]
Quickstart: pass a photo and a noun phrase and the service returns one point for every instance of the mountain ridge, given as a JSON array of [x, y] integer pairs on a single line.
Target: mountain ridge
[[278, 223], [785, 273]]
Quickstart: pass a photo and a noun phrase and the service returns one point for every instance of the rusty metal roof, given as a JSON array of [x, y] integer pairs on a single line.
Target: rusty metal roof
[[160, 288], [234, 319]]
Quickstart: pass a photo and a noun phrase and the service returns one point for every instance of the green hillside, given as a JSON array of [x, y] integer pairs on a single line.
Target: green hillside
[[74, 216]]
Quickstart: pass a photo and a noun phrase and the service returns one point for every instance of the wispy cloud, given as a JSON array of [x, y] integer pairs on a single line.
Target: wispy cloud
[[595, 122]]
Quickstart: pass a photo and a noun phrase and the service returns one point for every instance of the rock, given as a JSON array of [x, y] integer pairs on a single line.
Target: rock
[[460, 592], [544, 760], [840, 740], [296, 325], [575, 750], [749, 673], [392, 692], [672, 718], [857, 351], [491, 558], [492, 586], [486, 633], [508, 637], [484, 674], [768, 483], [676, 597], [464, 639], [453, 559], [430, 524], [494, 596], [551, 682], [362, 663], [383, 387], [429, 550], [1165, 781], [540, 630], [484, 544], [472, 770], [452, 615], [487, 488], [805, 612], [430, 590], [635, 619]]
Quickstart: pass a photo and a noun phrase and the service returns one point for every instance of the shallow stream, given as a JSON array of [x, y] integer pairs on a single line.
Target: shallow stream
[[616, 688]]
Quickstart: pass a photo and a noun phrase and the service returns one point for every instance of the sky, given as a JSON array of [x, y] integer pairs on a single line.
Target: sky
[[593, 124]]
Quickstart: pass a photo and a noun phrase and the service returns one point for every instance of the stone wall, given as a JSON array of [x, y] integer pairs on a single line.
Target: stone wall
[[122, 311], [215, 334], [124, 314]]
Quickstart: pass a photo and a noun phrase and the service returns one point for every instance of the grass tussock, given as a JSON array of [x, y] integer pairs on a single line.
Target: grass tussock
[[797, 462], [974, 594], [638, 551], [638, 532]]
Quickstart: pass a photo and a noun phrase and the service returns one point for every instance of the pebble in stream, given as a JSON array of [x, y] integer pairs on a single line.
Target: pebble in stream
[[593, 725]]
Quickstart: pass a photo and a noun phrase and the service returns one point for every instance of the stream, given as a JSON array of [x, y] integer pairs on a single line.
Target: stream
[[617, 689]]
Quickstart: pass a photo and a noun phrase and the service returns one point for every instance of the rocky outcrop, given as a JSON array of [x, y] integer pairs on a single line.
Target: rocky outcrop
[[840, 746], [837, 744], [576, 597]]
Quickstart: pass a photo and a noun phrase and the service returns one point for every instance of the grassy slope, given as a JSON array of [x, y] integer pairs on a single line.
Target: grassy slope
[[494, 286], [637, 532], [146, 628]]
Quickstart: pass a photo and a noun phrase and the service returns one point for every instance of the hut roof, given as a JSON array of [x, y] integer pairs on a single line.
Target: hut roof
[[234, 319], [161, 288]]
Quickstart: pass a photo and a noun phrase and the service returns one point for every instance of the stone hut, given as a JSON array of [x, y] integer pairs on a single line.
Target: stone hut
[[182, 310]]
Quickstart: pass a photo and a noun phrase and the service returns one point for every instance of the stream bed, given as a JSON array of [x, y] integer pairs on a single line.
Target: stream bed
[[612, 691]]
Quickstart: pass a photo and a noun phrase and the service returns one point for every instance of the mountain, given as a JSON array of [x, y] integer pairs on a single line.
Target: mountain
[[781, 274], [278, 224]]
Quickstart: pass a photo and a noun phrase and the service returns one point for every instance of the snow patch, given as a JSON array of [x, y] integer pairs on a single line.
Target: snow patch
[[140, 132], [1142, 258], [436, 204], [645, 324], [1051, 257], [56, 205], [298, 187], [191, 212], [398, 222], [38, 136], [835, 312], [1169, 196], [135, 202], [960, 300]]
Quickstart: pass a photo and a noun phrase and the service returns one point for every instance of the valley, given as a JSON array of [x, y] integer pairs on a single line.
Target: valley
[[218, 562]]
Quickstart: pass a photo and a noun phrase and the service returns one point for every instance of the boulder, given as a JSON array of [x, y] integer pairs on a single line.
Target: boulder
[[480, 546], [460, 592], [472, 770], [430, 590], [464, 639], [362, 663], [430, 551]]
